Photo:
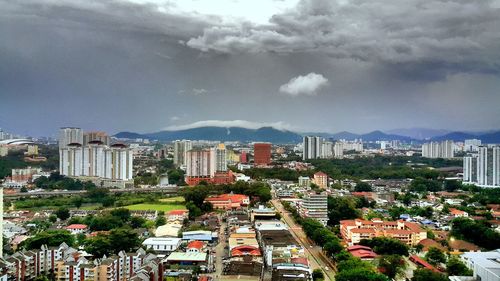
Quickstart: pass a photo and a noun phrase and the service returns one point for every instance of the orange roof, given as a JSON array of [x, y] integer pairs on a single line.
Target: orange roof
[[320, 174], [228, 197], [76, 226], [177, 212], [195, 245], [245, 250], [454, 211], [417, 260]]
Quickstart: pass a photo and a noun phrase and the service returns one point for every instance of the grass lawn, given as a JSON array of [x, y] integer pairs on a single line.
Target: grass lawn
[[172, 199], [155, 207]]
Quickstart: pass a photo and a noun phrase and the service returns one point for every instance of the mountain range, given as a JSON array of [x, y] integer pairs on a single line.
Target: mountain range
[[269, 134]]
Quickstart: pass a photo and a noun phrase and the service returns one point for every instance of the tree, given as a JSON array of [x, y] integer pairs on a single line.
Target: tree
[[452, 185], [477, 232], [392, 265], [122, 213], [51, 238], [318, 275], [386, 246], [360, 274], [23, 189], [363, 187], [456, 267], [160, 220], [62, 213], [428, 275], [77, 201], [136, 222], [52, 218], [341, 208]]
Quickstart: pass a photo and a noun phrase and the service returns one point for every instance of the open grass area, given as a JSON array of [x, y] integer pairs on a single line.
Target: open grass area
[[155, 207], [172, 199]]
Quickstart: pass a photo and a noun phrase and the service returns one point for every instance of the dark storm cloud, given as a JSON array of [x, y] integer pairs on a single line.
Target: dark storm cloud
[[460, 35], [116, 65]]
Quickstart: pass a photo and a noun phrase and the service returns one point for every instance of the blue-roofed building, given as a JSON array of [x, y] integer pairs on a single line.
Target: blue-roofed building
[[201, 235]]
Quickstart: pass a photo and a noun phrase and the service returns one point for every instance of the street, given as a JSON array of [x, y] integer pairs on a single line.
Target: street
[[314, 253]]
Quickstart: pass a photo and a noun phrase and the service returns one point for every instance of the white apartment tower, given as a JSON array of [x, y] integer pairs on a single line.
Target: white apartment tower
[[69, 135], [96, 160], [180, 149], [200, 163], [220, 158], [312, 147], [444, 149], [483, 169]]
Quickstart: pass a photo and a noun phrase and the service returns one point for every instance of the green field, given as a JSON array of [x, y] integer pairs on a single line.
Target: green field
[[155, 207], [172, 199]]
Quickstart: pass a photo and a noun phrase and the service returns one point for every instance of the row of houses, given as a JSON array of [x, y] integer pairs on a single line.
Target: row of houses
[[65, 263]]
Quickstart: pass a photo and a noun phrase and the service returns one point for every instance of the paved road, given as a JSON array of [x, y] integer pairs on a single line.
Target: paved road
[[316, 257]]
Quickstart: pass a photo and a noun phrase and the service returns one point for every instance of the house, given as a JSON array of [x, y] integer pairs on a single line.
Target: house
[[77, 228], [362, 252], [195, 247], [177, 215], [458, 213], [162, 244]]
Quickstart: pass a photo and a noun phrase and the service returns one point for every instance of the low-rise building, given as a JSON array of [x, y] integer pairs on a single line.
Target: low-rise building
[[229, 201], [315, 206], [77, 228], [353, 231], [162, 244], [485, 265]]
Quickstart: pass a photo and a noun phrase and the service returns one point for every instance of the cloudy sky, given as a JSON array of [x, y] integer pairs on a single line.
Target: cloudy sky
[[309, 65]]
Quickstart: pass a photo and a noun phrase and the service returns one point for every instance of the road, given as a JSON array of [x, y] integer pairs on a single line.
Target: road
[[315, 255]]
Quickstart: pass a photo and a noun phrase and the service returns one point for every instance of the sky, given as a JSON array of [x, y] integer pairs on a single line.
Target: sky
[[302, 65]]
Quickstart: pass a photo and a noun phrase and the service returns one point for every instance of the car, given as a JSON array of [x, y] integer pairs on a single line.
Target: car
[[326, 268]]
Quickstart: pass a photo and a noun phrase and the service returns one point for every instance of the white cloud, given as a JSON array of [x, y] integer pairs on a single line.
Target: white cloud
[[195, 92], [174, 118], [230, 123], [304, 85]]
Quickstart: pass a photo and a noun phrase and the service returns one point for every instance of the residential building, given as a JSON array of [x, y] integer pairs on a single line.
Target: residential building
[[472, 145], [320, 179], [220, 158], [326, 149], [200, 163], [483, 168], [77, 228], [353, 231], [24, 175], [312, 147], [96, 160], [180, 149], [444, 149], [177, 215], [96, 136], [304, 181], [262, 154], [69, 135], [338, 150], [315, 206]]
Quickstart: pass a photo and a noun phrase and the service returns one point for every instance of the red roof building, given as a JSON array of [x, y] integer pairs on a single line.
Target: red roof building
[[195, 246], [245, 250], [229, 201], [362, 252], [76, 228], [353, 231]]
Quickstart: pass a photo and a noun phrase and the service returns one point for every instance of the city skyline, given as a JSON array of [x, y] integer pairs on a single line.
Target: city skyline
[[304, 66]]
